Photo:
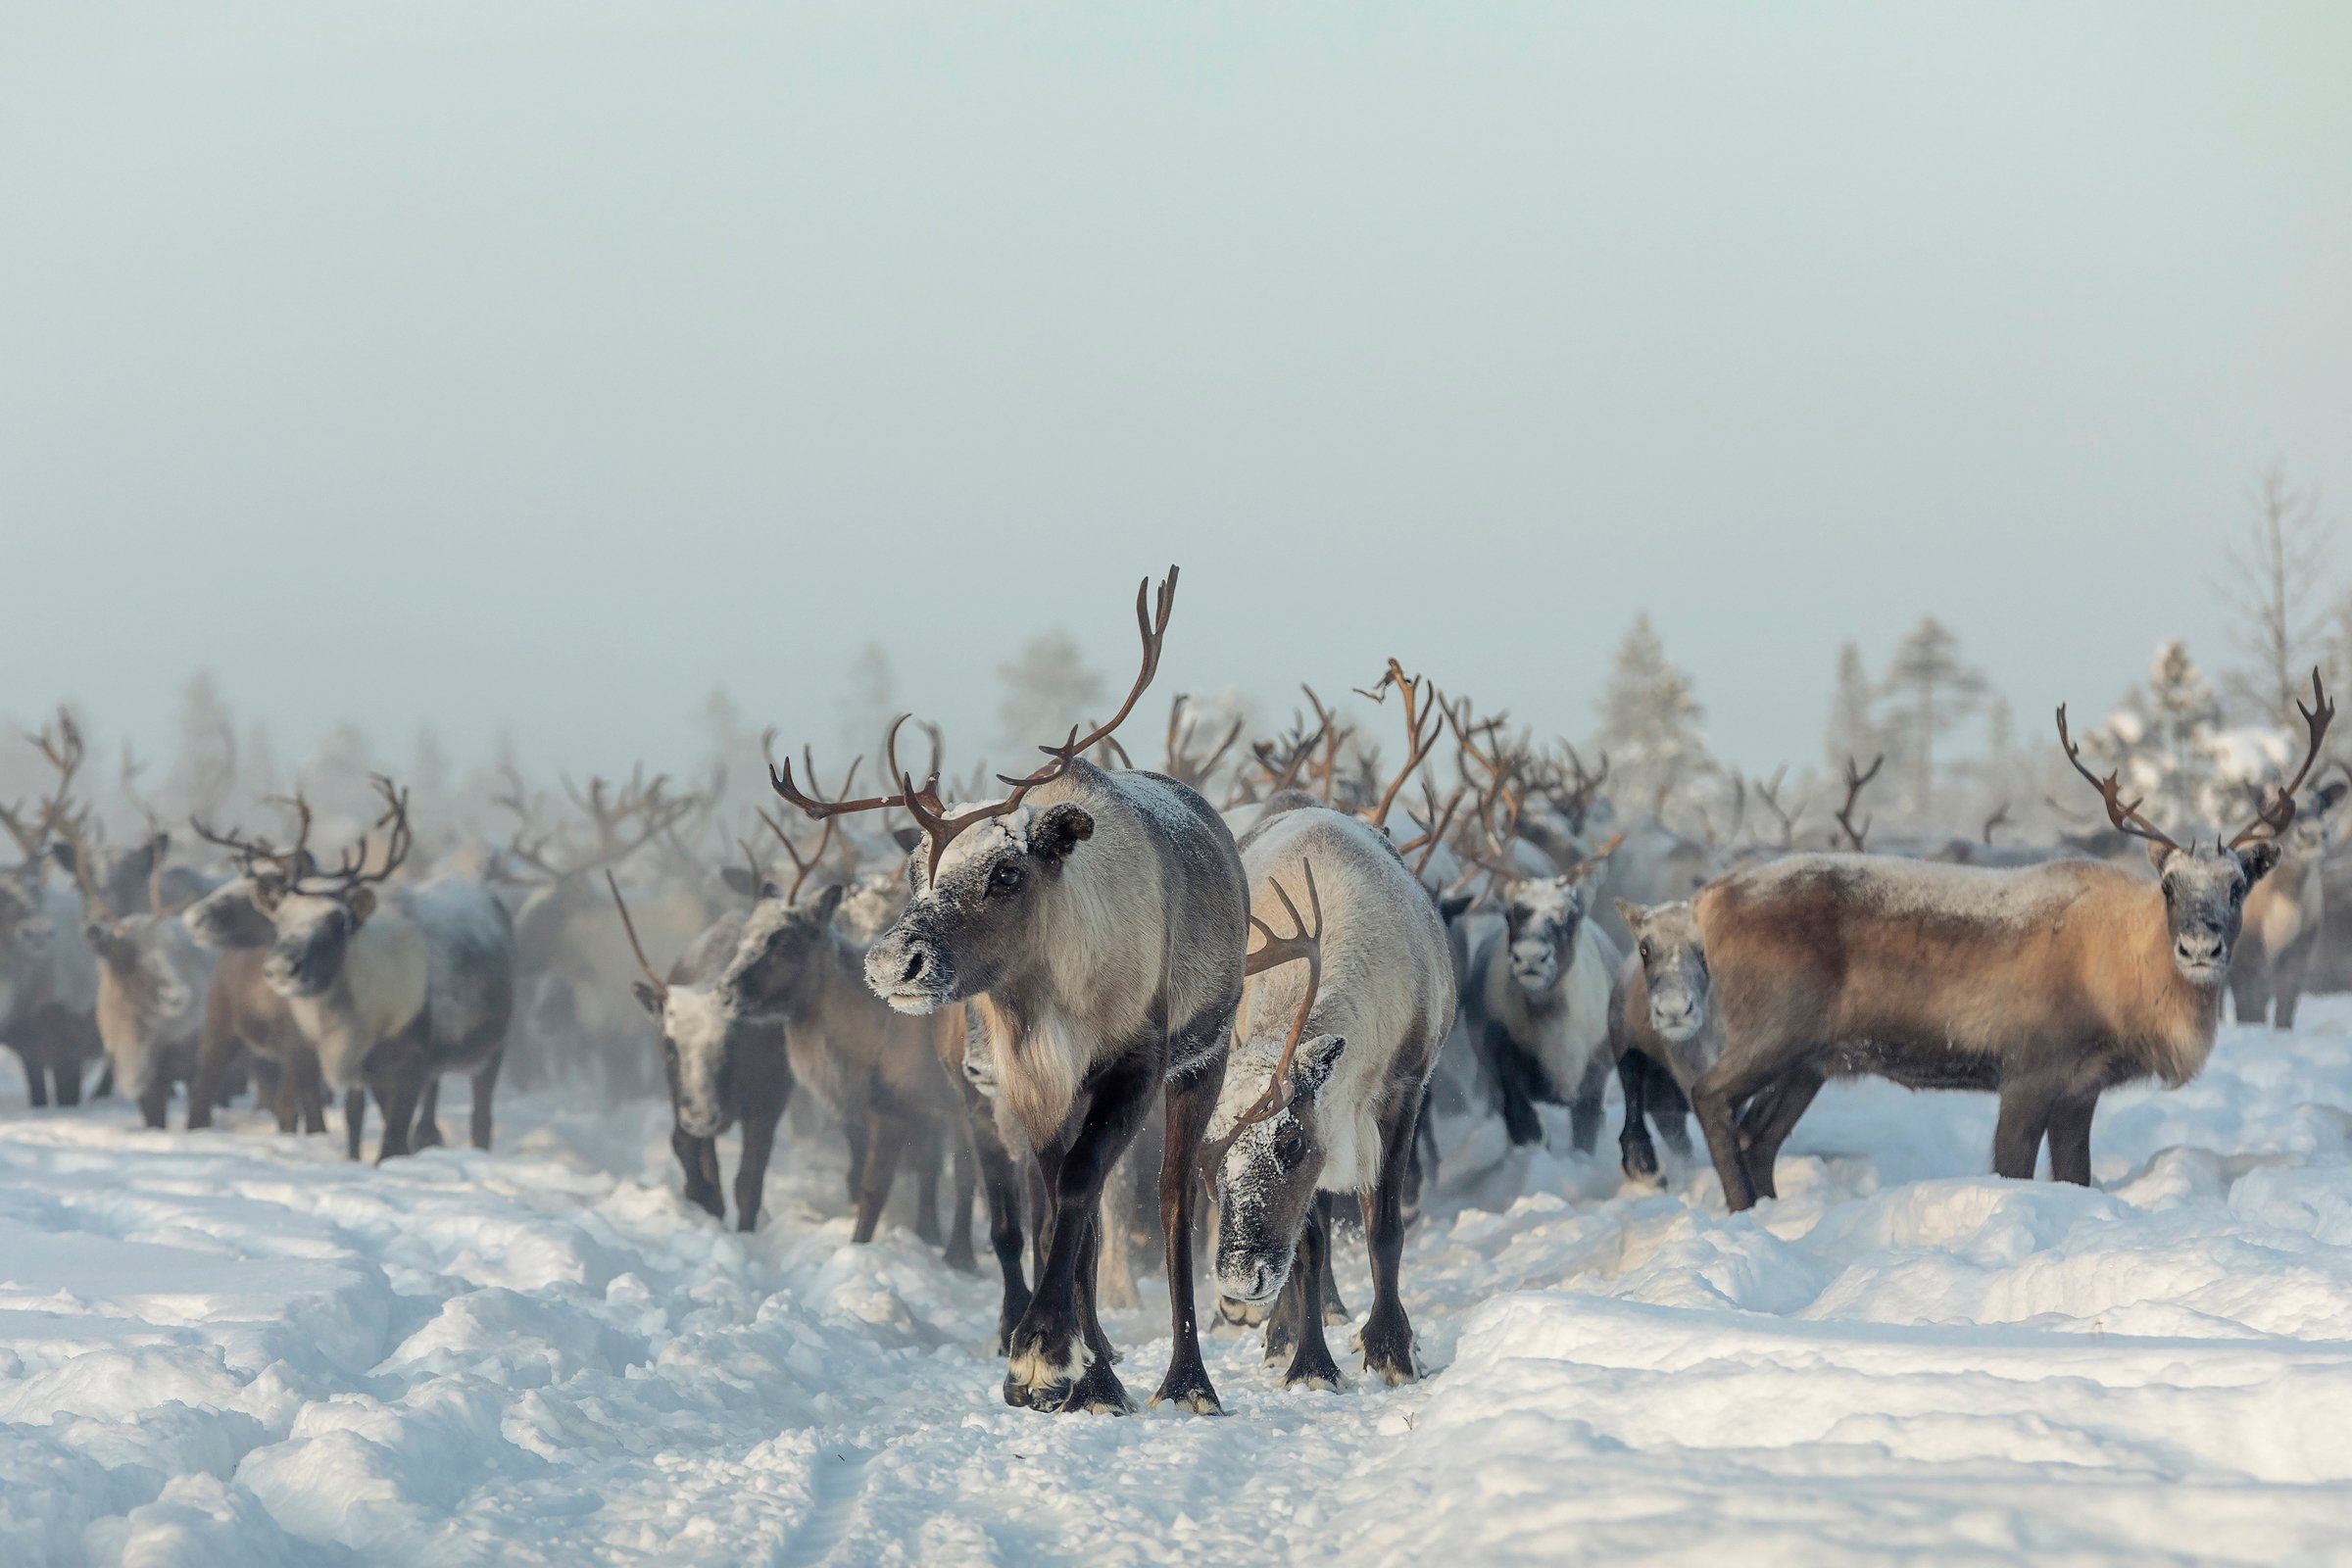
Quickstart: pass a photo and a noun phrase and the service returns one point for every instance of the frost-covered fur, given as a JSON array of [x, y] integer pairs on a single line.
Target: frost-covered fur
[[1540, 986], [1352, 1102], [151, 979], [2046, 983], [1097, 931]]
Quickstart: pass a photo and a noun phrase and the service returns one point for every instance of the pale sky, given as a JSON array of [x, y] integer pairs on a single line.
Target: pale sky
[[548, 365]]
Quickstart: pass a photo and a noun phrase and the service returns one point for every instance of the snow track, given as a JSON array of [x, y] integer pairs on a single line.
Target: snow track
[[230, 1348]]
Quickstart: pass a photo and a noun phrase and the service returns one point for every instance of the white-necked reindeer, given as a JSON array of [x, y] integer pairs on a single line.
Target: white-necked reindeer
[[2285, 916], [1095, 921], [1332, 1106], [2046, 983]]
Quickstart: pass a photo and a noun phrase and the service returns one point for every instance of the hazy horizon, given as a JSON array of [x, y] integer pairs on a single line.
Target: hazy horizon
[[542, 370]]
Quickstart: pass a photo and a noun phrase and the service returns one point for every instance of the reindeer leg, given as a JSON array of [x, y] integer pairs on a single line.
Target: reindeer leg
[[37, 1075], [485, 1088], [958, 1254], [923, 1140], [1388, 1338], [1002, 1185], [1668, 1110], [885, 1135], [1519, 1118], [2070, 1139], [1311, 1364], [2026, 1107], [425, 1131], [759, 1118], [1636, 1157], [1191, 1097], [1766, 1120], [355, 1119], [701, 1191], [398, 1084], [302, 1068], [1335, 1311], [1051, 1366], [1721, 1086], [1583, 1109]]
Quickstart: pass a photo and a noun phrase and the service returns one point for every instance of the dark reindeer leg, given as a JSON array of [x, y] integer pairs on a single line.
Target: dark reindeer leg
[[1669, 1112], [2025, 1116], [37, 1075], [425, 1131], [1335, 1311], [884, 1136], [958, 1253], [216, 1043], [1584, 1110], [750, 1166], [1090, 1271], [1191, 1097], [155, 1101], [1766, 1120], [1728, 1083], [1519, 1118], [1388, 1336], [1002, 1185], [355, 1119], [1311, 1363], [924, 1138], [2070, 1139], [856, 1130], [287, 1104], [701, 1190], [311, 1085], [1051, 1368], [398, 1085], [485, 1086], [1636, 1157]]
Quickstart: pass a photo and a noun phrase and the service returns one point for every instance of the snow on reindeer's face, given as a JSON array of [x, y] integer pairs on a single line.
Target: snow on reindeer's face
[[1673, 967], [1267, 1176], [313, 932], [964, 928], [232, 917], [2205, 888], [1544, 915]]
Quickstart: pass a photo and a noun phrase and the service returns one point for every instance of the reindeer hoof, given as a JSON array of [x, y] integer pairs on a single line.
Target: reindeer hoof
[[1320, 1377], [1097, 1392], [1038, 1378], [1239, 1314], [1391, 1353], [1189, 1391]]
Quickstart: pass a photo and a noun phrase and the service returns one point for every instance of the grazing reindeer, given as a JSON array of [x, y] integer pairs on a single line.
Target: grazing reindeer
[[150, 983], [2046, 983], [393, 990], [240, 1010], [1661, 1029], [1333, 1106], [1540, 1000], [2283, 918], [1095, 923]]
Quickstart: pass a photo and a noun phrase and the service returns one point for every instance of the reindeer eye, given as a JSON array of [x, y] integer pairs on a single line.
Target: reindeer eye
[[1645, 953], [1007, 878], [1291, 1147]]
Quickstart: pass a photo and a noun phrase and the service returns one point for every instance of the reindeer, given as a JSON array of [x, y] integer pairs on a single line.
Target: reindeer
[[1661, 1030], [2285, 915], [393, 990], [240, 1009], [1095, 923], [48, 974], [1334, 1106], [151, 984], [1538, 998], [2044, 984]]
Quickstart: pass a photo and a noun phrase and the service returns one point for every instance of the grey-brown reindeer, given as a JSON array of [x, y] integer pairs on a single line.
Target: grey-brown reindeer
[[1095, 921], [2044, 984]]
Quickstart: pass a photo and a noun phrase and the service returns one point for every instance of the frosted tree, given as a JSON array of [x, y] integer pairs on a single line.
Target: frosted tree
[[204, 771], [1926, 689], [1650, 718], [2273, 579], [2163, 738], [731, 764], [1048, 688], [1853, 731]]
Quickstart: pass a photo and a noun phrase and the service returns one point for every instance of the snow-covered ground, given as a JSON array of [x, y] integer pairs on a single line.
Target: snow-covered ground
[[228, 1348]]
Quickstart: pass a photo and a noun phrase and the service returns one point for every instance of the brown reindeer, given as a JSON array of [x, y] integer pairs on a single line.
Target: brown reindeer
[[2044, 984], [240, 1010]]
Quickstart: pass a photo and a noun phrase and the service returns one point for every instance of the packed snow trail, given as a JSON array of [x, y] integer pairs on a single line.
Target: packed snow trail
[[230, 1348]]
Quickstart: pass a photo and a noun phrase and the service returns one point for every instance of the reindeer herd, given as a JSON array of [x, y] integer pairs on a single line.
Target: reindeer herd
[[1108, 1005]]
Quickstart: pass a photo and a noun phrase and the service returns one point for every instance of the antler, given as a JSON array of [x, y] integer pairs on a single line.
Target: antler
[[1439, 820], [1856, 780], [805, 865], [1578, 804], [924, 804], [2123, 814], [1999, 818], [1769, 792], [1301, 945], [1418, 742], [351, 867], [660, 985], [1182, 764], [2276, 817]]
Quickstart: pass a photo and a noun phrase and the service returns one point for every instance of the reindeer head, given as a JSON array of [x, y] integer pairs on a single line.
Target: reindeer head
[[979, 902], [315, 917], [1270, 1138], [1673, 967], [2205, 885]]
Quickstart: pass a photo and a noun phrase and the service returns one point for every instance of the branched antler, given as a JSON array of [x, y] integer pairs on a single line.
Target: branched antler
[[1301, 945], [1856, 780]]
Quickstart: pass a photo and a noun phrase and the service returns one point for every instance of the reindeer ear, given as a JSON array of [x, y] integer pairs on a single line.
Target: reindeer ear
[[2157, 854], [1313, 1067], [647, 997], [2258, 858], [1631, 913], [739, 882], [906, 838], [1060, 829], [1451, 906], [827, 903], [362, 905]]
